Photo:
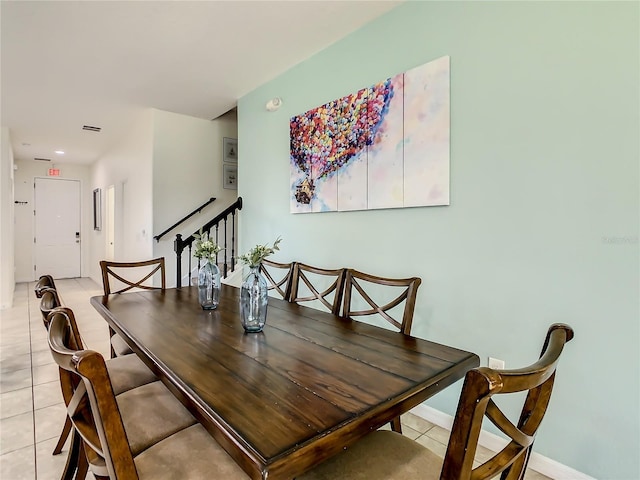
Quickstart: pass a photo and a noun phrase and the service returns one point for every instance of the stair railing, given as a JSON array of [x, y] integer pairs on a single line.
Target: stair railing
[[187, 217], [223, 217]]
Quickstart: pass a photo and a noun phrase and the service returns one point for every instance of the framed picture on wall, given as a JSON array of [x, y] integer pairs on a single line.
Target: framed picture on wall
[[230, 149], [230, 176], [97, 207]]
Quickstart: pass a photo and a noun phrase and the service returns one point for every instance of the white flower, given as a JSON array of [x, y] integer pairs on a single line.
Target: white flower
[[205, 248]]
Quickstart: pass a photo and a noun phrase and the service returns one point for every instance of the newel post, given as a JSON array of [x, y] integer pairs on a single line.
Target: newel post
[[178, 247]]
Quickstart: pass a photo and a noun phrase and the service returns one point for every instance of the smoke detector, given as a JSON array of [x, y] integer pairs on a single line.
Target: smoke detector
[[274, 104]]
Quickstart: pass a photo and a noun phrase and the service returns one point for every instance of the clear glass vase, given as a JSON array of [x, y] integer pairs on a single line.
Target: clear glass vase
[[253, 301], [209, 285]]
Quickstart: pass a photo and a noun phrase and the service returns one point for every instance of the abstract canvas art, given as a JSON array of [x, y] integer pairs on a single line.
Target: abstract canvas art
[[385, 146]]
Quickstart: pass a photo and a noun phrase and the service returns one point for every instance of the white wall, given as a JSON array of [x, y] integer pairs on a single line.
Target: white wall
[[187, 171], [25, 175], [7, 272], [168, 165], [127, 166]]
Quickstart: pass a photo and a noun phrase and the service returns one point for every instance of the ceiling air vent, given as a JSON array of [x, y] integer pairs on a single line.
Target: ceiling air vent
[[42, 159], [91, 129]]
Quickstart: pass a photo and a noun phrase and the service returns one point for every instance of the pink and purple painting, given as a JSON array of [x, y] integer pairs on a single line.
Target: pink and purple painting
[[386, 146]]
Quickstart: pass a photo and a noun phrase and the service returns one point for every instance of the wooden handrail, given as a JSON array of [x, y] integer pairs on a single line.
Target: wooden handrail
[[197, 210]]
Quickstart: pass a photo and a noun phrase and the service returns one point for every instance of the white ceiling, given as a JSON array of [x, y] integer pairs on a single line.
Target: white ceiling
[[65, 64]]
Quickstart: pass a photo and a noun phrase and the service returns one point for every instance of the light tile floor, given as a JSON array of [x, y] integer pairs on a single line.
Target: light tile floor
[[31, 409]]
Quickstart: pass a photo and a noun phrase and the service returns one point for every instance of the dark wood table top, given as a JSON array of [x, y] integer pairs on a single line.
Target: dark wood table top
[[282, 400]]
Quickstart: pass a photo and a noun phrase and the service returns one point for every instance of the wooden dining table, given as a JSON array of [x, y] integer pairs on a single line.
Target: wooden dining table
[[285, 399]]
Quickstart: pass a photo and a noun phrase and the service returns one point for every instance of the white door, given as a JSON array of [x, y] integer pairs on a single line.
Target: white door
[[57, 228]]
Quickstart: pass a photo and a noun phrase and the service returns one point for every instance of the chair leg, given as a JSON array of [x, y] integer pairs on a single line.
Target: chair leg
[[63, 436], [83, 464], [111, 334], [73, 458], [396, 426]]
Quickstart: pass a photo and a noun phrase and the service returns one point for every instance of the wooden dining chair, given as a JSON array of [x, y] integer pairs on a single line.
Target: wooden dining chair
[[144, 433], [278, 276], [391, 299], [389, 455], [390, 294], [128, 372], [120, 277], [318, 285], [49, 300], [45, 281]]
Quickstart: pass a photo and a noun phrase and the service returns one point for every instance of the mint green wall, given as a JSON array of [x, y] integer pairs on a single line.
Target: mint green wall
[[544, 217]]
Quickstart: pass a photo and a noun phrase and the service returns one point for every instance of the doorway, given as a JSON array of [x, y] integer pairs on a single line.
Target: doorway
[[57, 228], [110, 229]]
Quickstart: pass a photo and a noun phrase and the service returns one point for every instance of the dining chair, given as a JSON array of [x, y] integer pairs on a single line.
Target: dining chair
[[367, 295], [390, 455], [390, 294], [144, 433], [127, 372], [45, 281], [278, 276], [118, 277], [318, 285], [49, 300]]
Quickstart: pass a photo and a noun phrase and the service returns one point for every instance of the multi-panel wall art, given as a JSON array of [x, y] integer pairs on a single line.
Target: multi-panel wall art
[[386, 146]]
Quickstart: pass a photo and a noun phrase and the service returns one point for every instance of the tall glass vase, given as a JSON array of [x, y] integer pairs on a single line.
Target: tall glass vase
[[209, 285], [253, 301]]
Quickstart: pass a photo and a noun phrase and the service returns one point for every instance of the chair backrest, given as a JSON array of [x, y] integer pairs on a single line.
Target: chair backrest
[[318, 285], [68, 313], [117, 276], [359, 289], [278, 276], [45, 281], [91, 403], [480, 385], [49, 300]]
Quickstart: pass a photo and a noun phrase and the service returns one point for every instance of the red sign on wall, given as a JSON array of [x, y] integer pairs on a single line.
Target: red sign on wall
[[54, 172]]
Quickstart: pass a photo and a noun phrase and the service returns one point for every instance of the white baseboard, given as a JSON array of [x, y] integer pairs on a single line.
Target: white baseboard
[[537, 462]]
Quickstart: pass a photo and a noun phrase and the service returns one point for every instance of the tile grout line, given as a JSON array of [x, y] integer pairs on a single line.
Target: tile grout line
[[33, 393]]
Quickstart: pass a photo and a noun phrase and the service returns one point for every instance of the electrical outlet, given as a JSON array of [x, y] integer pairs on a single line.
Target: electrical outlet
[[496, 364]]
